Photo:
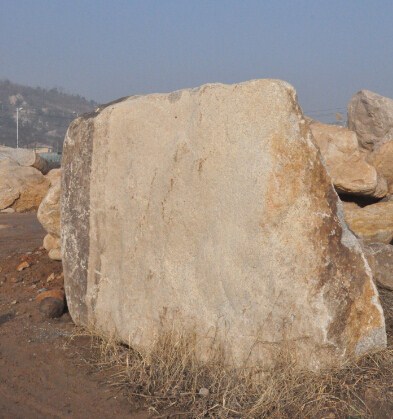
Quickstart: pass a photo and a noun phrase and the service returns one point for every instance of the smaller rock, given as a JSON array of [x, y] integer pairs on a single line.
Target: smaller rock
[[380, 259], [51, 307], [51, 303], [204, 392], [14, 302], [22, 266], [58, 294], [55, 254], [373, 223], [51, 277], [8, 211], [16, 280]]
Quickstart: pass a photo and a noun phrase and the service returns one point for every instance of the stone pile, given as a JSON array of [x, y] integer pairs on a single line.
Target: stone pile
[[211, 210], [360, 161], [23, 183]]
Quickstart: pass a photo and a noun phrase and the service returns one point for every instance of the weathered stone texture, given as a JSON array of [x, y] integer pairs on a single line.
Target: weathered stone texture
[[210, 209], [24, 157], [21, 188], [372, 223], [382, 160], [371, 116], [49, 215], [346, 164], [380, 259]]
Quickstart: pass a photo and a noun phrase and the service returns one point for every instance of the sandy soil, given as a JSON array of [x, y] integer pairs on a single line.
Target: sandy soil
[[42, 374]]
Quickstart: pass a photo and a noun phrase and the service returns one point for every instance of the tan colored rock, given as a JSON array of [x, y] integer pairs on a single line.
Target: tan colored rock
[[49, 215], [24, 157], [371, 116], [54, 176], [373, 223], [347, 166], [49, 210], [22, 266], [380, 259], [21, 188], [382, 160], [219, 218], [51, 242], [55, 254]]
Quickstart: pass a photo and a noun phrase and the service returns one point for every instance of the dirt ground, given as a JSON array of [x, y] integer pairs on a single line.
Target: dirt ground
[[42, 374]]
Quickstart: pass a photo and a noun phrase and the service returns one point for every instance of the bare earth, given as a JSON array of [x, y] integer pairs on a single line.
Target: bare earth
[[42, 374]]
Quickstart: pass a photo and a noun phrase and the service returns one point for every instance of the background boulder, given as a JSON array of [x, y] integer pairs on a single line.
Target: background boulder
[[346, 164], [49, 215], [21, 188], [24, 157], [371, 116], [380, 258], [372, 223]]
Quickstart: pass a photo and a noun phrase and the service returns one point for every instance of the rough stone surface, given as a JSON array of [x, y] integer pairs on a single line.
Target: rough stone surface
[[51, 242], [55, 254], [373, 223], [371, 116], [382, 160], [219, 218], [21, 188], [49, 210], [345, 163], [54, 176], [24, 157], [49, 215], [380, 259]]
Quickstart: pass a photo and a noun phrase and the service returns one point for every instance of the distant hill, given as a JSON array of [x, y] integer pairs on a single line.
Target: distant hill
[[44, 118]]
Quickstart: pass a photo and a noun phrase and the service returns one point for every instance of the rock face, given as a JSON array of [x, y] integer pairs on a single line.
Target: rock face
[[346, 164], [371, 116], [21, 188], [380, 258], [373, 223], [49, 215], [219, 218], [24, 157]]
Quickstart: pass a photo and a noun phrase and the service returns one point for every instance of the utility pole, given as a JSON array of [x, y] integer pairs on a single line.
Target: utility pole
[[17, 126]]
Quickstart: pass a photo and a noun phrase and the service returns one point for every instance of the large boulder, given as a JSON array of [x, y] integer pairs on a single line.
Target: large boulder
[[371, 116], [49, 214], [219, 219], [21, 188], [382, 160], [372, 223], [24, 157], [346, 164], [380, 259]]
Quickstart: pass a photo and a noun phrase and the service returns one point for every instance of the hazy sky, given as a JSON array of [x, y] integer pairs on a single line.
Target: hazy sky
[[104, 49]]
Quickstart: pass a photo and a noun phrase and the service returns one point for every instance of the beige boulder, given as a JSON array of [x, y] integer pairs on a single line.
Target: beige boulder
[[345, 163], [49, 210], [380, 259], [21, 188], [49, 215], [51, 242], [54, 176], [371, 116], [24, 157], [220, 218], [373, 223], [382, 160]]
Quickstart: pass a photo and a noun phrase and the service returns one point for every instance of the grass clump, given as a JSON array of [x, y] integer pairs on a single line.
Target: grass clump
[[172, 380]]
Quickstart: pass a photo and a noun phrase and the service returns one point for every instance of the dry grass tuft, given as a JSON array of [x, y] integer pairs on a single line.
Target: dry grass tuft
[[171, 380]]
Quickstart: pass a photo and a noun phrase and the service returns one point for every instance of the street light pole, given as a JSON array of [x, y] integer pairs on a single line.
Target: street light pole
[[17, 126]]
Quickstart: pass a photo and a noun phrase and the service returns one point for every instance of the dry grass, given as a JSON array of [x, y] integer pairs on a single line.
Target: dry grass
[[172, 379]]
